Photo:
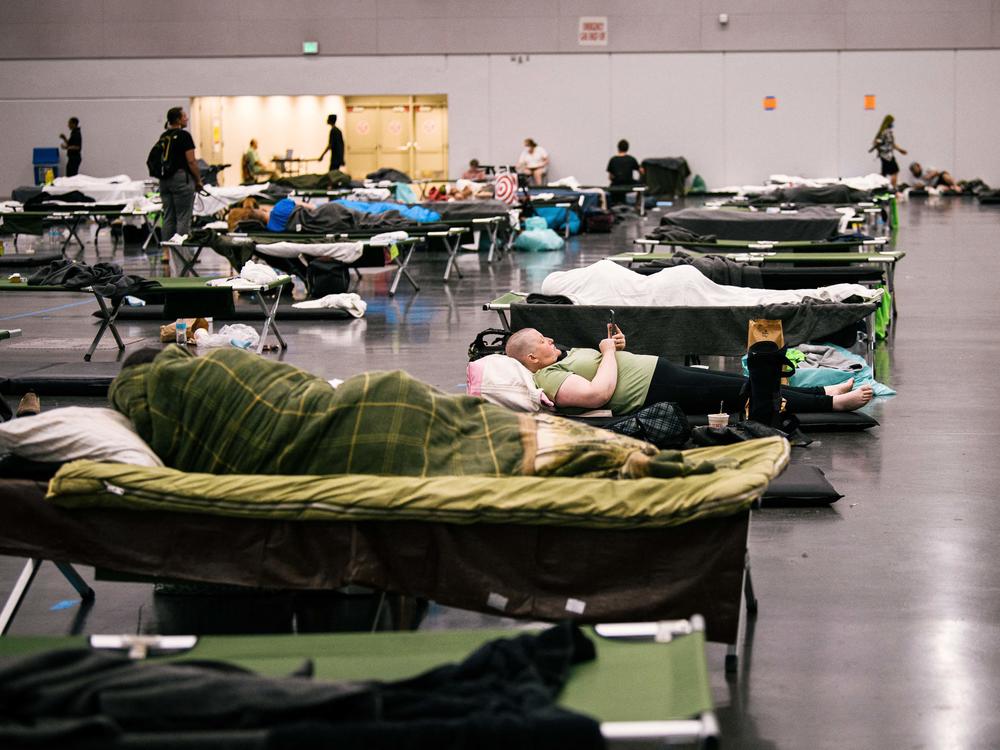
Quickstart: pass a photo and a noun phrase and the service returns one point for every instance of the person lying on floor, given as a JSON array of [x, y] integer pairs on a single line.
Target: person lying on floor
[[611, 378], [232, 412]]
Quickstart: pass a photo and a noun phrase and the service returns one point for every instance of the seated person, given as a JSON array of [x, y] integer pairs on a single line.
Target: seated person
[[623, 166], [533, 162], [242, 414], [474, 172], [252, 165], [614, 379], [928, 177]]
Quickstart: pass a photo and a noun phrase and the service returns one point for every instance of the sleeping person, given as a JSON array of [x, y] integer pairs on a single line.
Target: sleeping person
[[232, 412], [611, 378]]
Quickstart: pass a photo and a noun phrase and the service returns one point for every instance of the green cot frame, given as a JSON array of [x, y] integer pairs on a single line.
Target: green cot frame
[[169, 287], [649, 682]]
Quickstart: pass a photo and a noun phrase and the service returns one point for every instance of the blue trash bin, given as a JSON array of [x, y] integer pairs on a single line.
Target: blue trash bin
[[43, 160]]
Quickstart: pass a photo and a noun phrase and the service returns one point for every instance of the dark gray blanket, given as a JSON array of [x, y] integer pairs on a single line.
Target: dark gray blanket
[[467, 209], [828, 194], [333, 217], [719, 268], [809, 223], [677, 331]]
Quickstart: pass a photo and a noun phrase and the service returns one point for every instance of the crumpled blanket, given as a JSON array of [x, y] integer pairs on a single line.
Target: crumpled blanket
[[418, 214], [504, 691], [608, 283], [107, 279], [672, 233], [348, 301], [334, 217], [719, 268]]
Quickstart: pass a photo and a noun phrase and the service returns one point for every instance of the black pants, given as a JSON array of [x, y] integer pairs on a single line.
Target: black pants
[[73, 164], [699, 391]]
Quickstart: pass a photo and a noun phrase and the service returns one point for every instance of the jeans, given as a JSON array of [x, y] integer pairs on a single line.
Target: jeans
[[177, 194]]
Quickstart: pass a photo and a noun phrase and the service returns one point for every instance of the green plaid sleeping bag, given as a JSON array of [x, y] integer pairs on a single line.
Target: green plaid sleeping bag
[[231, 412]]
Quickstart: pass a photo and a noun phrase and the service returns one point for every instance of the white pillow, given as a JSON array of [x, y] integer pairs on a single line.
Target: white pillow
[[76, 432], [503, 380]]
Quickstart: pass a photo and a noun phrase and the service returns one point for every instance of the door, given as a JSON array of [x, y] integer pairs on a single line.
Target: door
[[361, 138], [430, 142], [396, 138]]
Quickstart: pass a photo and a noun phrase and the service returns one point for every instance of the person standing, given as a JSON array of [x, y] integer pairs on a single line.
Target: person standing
[[885, 145], [73, 146], [335, 145], [181, 177]]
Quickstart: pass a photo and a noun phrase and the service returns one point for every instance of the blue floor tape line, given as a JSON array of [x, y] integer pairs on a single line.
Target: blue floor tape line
[[48, 310]]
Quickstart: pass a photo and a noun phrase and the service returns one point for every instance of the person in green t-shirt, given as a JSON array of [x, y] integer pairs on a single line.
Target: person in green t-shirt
[[611, 378]]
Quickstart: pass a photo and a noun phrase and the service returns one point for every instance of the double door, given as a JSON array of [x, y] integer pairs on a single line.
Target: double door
[[410, 136]]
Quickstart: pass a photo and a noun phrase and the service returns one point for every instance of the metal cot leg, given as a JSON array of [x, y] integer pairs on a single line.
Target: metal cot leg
[[402, 271], [451, 241], [107, 321], [269, 323]]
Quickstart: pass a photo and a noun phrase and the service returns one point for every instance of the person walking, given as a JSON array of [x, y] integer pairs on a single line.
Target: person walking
[[335, 145], [181, 177], [73, 146], [885, 145]]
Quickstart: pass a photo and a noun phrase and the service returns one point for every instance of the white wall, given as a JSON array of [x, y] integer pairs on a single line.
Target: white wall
[[705, 106]]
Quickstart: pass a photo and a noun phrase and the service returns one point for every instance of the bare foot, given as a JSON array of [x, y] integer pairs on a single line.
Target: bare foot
[[853, 400], [836, 390]]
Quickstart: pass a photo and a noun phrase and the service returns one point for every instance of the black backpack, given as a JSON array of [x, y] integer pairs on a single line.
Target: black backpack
[[490, 341], [158, 163]]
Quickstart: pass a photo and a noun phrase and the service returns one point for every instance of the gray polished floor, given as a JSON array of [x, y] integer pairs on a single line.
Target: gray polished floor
[[879, 620]]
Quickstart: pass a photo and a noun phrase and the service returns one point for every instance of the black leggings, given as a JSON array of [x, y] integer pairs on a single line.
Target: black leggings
[[699, 391]]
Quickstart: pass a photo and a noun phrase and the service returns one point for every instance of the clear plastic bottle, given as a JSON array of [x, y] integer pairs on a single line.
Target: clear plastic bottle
[[181, 328]]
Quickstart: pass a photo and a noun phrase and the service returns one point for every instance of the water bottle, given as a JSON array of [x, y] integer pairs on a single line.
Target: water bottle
[[181, 328]]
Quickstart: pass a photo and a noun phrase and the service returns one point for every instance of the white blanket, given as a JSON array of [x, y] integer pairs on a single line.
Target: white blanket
[[608, 283], [776, 181], [117, 189], [219, 198], [345, 252]]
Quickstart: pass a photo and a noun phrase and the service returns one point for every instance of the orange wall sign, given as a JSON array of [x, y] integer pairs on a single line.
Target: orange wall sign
[[869, 101], [770, 102]]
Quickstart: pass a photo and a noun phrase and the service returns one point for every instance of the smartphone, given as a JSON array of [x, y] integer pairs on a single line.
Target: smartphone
[[612, 326]]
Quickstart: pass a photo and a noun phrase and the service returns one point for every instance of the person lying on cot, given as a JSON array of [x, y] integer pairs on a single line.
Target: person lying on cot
[[928, 177], [611, 378], [241, 414]]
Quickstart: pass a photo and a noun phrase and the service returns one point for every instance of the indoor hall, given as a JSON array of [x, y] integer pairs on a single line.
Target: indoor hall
[[877, 614]]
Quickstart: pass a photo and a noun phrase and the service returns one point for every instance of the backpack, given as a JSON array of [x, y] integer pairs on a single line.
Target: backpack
[[158, 163], [327, 276], [490, 341]]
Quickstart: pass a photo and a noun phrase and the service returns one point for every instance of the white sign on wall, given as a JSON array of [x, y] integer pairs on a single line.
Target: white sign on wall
[[593, 31]]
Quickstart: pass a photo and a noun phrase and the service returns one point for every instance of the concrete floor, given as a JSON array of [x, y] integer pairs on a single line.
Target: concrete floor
[[879, 616]]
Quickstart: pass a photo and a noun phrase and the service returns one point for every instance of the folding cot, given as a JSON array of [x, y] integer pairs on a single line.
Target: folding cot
[[189, 297], [691, 330], [648, 682], [787, 254], [809, 223], [71, 218], [518, 569]]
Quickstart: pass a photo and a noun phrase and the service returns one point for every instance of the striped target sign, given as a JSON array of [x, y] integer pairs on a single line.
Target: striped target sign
[[505, 188]]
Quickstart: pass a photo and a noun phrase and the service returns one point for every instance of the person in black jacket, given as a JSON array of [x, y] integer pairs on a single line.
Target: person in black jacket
[[335, 145], [73, 146]]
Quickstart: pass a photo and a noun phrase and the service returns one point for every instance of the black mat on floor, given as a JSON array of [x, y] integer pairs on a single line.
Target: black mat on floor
[[28, 260], [285, 312], [61, 379], [800, 485]]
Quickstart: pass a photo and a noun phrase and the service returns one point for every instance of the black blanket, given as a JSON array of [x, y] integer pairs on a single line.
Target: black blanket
[[503, 695], [718, 268], [107, 279], [827, 194], [809, 223], [333, 217]]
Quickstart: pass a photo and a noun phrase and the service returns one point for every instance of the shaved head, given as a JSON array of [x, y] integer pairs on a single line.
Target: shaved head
[[521, 343], [532, 349]]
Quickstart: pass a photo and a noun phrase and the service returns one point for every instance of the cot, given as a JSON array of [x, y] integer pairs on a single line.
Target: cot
[[188, 298], [9, 333], [521, 570], [648, 683], [71, 218], [693, 331], [782, 254]]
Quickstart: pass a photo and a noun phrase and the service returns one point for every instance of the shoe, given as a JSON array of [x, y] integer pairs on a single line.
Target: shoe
[[28, 406]]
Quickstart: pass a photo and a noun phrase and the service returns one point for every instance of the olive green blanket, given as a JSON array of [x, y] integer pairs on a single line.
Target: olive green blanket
[[747, 469]]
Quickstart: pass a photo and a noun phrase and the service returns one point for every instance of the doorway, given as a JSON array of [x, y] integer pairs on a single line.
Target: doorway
[[405, 133]]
